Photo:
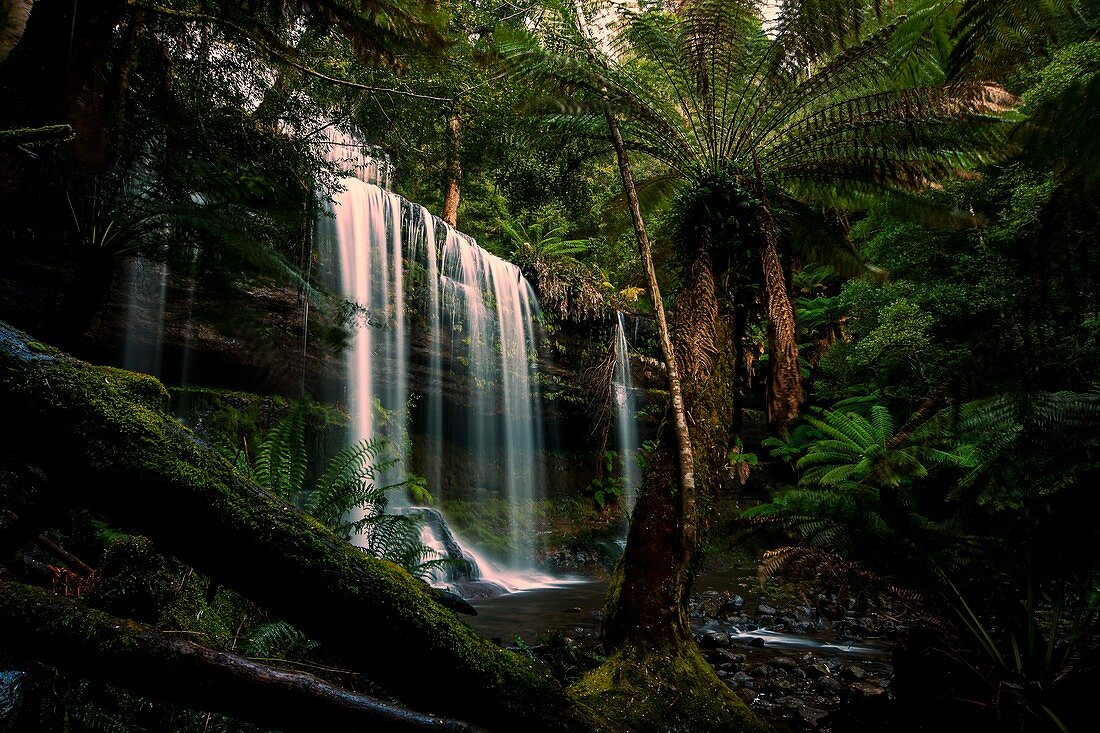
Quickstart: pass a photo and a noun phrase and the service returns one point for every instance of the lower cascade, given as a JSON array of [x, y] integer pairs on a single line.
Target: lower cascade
[[443, 348]]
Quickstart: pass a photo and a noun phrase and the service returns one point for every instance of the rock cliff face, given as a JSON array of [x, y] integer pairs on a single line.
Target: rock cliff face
[[251, 338]]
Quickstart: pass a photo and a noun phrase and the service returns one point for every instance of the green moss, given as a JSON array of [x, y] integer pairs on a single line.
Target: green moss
[[40, 348], [662, 691]]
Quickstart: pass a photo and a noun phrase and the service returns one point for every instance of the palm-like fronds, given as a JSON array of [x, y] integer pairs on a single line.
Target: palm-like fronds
[[275, 639], [988, 31], [1024, 443], [855, 490], [825, 113], [565, 284], [706, 91], [349, 482], [347, 497]]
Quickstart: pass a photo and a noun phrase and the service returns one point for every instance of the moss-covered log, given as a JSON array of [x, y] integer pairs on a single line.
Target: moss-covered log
[[102, 435], [65, 634]]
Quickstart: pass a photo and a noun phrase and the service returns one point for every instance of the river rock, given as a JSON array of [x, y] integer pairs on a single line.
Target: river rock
[[731, 607], [764, 670], [866, 689], [790, 703], [749, 696], [715, 640], [784, 663], [853, 672], [723, 656], [811, 716], [763, 610], [755, 641]]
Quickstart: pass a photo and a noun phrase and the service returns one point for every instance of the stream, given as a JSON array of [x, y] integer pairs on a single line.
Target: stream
[[793, 670], [574, 606]]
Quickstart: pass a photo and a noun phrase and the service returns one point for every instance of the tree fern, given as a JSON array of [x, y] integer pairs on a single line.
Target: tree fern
[[805, 113]]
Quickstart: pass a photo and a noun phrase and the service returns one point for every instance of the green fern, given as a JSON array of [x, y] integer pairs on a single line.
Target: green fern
[[276, 639], [347, 496]]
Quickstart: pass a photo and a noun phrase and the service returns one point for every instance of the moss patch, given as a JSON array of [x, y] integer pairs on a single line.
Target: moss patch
[[670, 691]]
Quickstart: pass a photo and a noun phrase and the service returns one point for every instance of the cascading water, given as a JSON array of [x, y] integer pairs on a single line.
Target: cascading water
[[407, 272], [146, 293], [626, 424]]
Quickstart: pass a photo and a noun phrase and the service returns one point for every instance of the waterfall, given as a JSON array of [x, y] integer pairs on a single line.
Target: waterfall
[[146, 287], [626, 424], [444, 339]]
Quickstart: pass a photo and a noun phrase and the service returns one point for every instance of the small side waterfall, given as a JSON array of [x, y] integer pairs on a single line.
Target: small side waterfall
[[626, 423], [146, 283], [444, 337]]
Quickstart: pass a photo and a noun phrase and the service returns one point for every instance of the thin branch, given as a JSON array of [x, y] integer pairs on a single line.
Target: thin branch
[[282, 56]]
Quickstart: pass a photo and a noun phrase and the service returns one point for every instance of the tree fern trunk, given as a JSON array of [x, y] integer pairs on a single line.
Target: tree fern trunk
[[13, 21], [784, 377]]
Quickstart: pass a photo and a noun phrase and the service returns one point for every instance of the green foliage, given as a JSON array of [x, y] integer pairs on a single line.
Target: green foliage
[[566, 286], [855, 495], [347, 495], [608, 488]]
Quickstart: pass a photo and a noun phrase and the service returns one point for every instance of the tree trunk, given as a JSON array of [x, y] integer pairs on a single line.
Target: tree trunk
[[102, 434], [656, 680], [784, 375], [61, 73], [37, 625], [664, 597], [451, 189]]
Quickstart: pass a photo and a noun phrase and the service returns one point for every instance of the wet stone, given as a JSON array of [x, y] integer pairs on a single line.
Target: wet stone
[[811, 716], [715, 640], [790, 703], [867, 689], [853, 672], [749, 696]]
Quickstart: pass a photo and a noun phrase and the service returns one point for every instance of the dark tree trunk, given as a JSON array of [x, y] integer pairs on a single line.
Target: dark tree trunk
[[61, 73], [651, 602], [102, 435], [39, 626]]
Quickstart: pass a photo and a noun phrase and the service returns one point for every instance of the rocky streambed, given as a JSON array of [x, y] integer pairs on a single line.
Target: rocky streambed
[[790, 665], [794, 668]]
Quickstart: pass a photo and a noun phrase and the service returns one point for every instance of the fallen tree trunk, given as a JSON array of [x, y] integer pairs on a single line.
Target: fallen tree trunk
[[38, 625], [102, 434]]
